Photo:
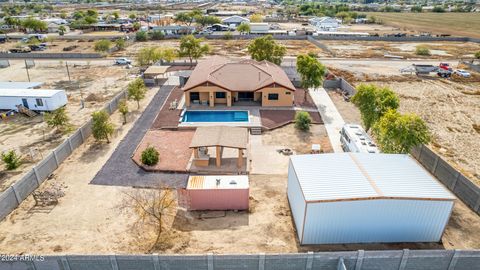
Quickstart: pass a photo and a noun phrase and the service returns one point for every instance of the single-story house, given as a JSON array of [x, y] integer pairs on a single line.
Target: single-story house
[[220, 81], [341, 198], [324, 23], [235, 20]]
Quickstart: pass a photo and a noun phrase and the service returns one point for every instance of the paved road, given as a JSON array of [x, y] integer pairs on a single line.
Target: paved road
[[332, 119], [120, 170]]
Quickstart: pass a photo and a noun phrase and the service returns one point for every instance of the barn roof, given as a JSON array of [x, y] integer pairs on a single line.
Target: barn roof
[[357, 176]]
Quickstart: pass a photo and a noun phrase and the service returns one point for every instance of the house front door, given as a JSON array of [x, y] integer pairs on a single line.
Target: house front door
[[245, 96], [25, 103]]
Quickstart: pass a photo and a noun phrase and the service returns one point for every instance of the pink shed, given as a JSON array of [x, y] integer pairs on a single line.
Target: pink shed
[[215, 192]]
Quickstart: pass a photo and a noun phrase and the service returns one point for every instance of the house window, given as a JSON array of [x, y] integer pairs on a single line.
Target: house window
[[39, 102], [220, 95], [272, 96], [288, 93]]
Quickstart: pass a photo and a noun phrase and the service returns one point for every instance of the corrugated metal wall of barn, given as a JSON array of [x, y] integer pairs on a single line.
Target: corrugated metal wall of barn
[[379, 220], [296, 200]]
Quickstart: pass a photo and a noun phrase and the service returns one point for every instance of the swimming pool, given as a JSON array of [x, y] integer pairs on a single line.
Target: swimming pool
[[215, 116]]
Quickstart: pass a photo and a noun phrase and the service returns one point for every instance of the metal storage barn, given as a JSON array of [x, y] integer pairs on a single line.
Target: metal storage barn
[[33, 99], [20, 85], [363, 198], [215, 192]]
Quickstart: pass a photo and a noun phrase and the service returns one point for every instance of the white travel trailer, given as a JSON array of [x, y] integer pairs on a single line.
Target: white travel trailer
[[33, 99], [354, 139]]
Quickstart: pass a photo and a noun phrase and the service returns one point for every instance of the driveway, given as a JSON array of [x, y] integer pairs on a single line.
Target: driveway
[[332, 119], [120, 170]]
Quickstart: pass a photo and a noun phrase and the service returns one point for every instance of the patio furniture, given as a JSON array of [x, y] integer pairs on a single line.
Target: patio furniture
[[316, 149]]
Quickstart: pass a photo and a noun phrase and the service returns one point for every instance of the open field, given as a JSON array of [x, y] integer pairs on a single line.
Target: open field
[[450, 108], [366, 49], [455, 24], [30, 135]]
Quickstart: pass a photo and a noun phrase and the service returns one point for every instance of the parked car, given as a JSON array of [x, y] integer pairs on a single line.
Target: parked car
[[462, 73], [37, 47], [205, 32], [122, 61]]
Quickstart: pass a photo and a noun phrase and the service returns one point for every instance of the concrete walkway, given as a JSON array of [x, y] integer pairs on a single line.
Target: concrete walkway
[[331, 117]]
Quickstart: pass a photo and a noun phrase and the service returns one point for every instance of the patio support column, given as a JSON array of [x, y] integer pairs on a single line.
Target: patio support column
[[218, 156], [211, 95], [187, 99], [240, 158], [229, 99]]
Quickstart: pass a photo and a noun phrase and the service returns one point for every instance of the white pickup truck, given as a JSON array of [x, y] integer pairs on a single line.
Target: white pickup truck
[[122, 61]]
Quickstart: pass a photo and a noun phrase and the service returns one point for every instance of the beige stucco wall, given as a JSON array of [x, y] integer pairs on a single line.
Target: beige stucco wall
[[207, 93], [284, 99]]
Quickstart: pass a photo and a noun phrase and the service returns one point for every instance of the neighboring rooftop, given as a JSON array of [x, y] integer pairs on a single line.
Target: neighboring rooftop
[[352, 176], [246, 75], [233, 137], [20, 85], [28, 92]]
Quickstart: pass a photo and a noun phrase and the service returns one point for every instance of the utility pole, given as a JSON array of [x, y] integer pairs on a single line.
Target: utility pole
[[68, 71], [26, 67]]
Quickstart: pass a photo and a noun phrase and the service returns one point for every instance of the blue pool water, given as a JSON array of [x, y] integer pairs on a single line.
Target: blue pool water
[[215, 116]]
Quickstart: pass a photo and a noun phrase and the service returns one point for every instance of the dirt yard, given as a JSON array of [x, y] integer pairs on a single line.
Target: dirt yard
[[367, 49], [31, 136]]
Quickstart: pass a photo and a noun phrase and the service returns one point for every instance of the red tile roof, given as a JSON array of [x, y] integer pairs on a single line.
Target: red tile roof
[[246, 75]]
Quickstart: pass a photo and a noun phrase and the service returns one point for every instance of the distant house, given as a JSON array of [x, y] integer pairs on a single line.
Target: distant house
[[324, 23], [161, 19], [220, 81], [174, 29], [235, 20]]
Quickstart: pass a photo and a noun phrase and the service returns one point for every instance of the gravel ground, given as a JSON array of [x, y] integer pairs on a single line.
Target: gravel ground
[[120, 170]]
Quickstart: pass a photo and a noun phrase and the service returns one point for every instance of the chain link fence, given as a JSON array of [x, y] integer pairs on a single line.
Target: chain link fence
[[349, 260], [15, 194]]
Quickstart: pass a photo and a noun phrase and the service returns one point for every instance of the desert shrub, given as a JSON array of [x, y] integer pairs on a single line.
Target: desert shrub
[[150, 156], [102, 45], [477, 55], [157, 35], [303, 121], [11, 159], [228, 36], [422, 50], [141, 36]]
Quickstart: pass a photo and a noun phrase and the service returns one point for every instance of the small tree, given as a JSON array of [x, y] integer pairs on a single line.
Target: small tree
[[136, 26], [120, 43], [137, 90], [132, 16], [148, 55], [477, 55], [102, 128], [11, 159], [256, 18], [123, 109], [311, 71], [57, 119], [397, 133], [422, 50], [152, 208], [265, 48], [244, 28], [61, 30], [102, 45], [150, 156], [192, 48], [141, 36], [207, 20], [373, 102], [303, 121]]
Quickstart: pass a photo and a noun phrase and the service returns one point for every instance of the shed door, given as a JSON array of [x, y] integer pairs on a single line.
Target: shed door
[[25, 103], [183, 198]]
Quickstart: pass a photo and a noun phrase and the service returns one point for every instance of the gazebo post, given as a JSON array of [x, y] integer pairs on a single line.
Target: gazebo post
[[218, 156], [195, 152], [240, 158]]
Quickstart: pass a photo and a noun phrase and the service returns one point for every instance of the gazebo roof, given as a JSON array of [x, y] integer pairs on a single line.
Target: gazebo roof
[[232, 137]]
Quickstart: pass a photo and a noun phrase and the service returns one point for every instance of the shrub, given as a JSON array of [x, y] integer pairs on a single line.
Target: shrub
[[477, 55], [141, 36], [150, 156], [228, 36], [422, 50], [11, 159], [157, 35], [303, 121], [102, 45], [120, 43]]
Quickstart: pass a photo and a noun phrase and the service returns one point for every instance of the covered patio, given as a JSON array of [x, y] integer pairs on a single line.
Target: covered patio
[[219, 149]]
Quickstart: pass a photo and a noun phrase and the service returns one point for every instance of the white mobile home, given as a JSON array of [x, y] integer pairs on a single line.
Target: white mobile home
[[355, 139], [324, 23], [33, 99], [363, 198], [259, 28]]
